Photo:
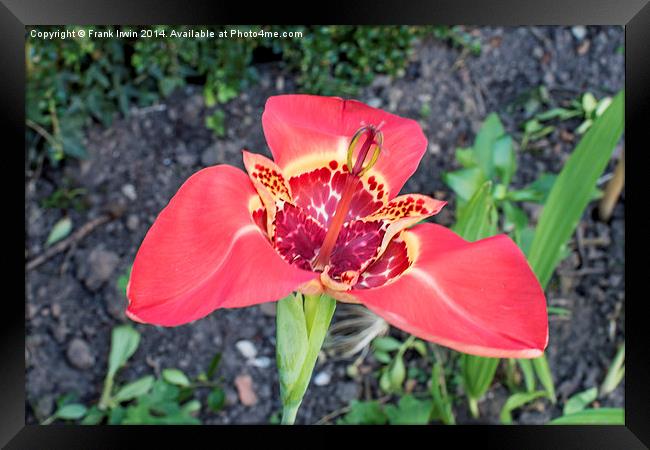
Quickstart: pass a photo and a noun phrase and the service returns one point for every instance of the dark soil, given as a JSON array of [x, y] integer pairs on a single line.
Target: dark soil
[[73, 300]]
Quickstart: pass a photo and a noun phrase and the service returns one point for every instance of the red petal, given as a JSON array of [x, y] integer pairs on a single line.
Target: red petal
[[307, 131], [204, 252], [480, 298]]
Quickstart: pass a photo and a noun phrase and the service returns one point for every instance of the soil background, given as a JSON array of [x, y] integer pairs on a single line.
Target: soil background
[[140, 161]]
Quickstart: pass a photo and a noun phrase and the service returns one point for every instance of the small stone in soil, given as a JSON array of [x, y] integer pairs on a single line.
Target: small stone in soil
[[80, 355], [244, 385], [132, 222], [322, 379], [98, 268], [116, 306], [129, 192], [579, 32], [247, 349], [263, 362]]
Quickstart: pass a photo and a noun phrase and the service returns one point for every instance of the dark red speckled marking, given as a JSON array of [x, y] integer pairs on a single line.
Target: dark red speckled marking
[[356, 245], [318, 193], [297, 236], [402, 207], [390, 265], [272, 180]]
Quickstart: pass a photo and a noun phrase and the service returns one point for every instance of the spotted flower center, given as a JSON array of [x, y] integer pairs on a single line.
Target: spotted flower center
[[335, 219]]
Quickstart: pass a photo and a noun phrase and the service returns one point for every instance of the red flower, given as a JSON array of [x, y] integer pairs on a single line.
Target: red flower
[[324, 217]]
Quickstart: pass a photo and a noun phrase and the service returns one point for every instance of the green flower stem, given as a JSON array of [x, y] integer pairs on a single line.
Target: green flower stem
[[106, 400], [473, 407], [301, 328], [289, 413]]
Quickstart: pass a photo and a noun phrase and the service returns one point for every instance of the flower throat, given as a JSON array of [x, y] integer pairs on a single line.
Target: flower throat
[[373, 138]]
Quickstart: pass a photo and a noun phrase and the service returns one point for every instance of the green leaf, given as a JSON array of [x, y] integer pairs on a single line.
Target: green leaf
[[558, 311], [382, 357], [116, 416], [517, 401], [216, 399], [441, 400], [420, 347], [543, 372], [466, 157], [573, 188], [386, 344], [60, 230], [615, 373], [505, 163], [216, 122], [477, 374], [161, 407], [559, 113], [601, 416], [603, 104], [490, 131], [134, 389], [364, 413], [526, 239], [214, 363], [536, 192], [124, 342], [397, 372], [528, 372], [580, 401], [589, 103], [71, 411], [409, 411], [465, 182], [476, 221], [94, 416], [123, 281], [516, 220], [176, 377]]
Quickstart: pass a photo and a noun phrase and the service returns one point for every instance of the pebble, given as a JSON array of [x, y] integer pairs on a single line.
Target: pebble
[[322, 379], [209, 156], [279, 83], [263, 362], [129, 192], [579, 32], [80, 355], [245, 390], [98, 268], [247, 349], [116, 306], [132, 222]]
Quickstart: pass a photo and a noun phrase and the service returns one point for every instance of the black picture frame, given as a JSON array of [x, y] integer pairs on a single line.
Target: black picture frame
[[15, 15]]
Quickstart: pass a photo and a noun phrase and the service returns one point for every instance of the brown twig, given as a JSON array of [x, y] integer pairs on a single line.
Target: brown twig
[[74, 238], [613, 190]]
